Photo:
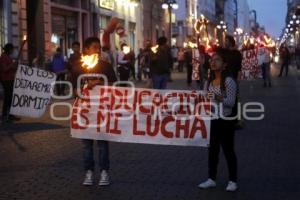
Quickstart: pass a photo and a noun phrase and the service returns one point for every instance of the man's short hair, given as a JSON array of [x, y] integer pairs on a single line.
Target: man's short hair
[[88, 42], [162, 40], [231, 40]]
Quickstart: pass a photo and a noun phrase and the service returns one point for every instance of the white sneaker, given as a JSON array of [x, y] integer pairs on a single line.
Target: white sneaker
[[104, 178], [231, 187], [209, 183], [88, 180]]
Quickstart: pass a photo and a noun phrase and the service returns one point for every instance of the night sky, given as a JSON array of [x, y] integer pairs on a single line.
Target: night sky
[[270, 14]]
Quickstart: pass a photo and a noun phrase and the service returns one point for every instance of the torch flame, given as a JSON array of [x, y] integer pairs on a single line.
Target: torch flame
[[154, 49], [89, 61], [126, 49], [24, 37]]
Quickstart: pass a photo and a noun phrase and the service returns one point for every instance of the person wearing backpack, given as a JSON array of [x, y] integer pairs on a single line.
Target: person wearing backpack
[[8, 69], [224, 89]]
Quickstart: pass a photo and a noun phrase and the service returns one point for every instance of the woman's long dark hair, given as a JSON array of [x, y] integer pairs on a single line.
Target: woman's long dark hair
[[223, 53]]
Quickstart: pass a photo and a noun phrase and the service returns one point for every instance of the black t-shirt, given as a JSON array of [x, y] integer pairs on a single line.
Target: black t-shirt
[[106, 69], [234, 62]]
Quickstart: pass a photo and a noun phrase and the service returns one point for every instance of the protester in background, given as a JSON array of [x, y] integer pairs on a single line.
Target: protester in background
[[235, 58], [180, 59], [146, 62], [106, 55], [174, 53], [203, 66], [74, 66], [234, 67], [38, 61], [92, 46], [8, 69], [286, 59], [131, 58], [161, 62], [139, 62], [224, 89], [58, 66], [188, 58], [123, 67], [266, 69]]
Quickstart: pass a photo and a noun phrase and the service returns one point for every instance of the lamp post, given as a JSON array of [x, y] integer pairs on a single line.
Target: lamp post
[[170, 4], [222, 26], [255, 19]]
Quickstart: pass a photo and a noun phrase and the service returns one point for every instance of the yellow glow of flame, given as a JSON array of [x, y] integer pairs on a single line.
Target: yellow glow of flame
[[89, 61], [126, 49], [24, 37], [192, 45], [154, 49]]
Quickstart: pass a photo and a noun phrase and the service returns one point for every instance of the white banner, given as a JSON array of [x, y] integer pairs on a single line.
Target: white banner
[[32, 91], [252, 61], [166, 117]]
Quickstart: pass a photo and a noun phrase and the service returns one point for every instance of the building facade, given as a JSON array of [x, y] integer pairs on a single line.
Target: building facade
[[49, 24], [244, 16], [153, 21], [129, 14], [186, 16]]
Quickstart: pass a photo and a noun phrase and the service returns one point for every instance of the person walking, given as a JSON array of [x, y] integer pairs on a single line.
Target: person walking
[[188, 58], [123, 64], [224, 89], [286, 59], [266, 69], [180, 59]]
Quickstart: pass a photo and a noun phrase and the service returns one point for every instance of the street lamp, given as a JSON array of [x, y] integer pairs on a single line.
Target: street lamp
[[223, 28], [169, 5]]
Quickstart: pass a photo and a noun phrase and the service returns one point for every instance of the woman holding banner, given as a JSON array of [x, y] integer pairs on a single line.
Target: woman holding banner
[[8, 70], [224, 89]]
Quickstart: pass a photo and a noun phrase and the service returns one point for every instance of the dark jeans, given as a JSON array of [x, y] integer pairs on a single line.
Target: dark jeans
[[88, 154], [222, 135], [180, 65], [189, 73], [132, 70], [8, 87], [160, 81], [60, 87], [266, 73], [286, 66]]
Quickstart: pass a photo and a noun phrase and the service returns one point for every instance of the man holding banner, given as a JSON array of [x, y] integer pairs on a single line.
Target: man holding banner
[[91, 47]]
